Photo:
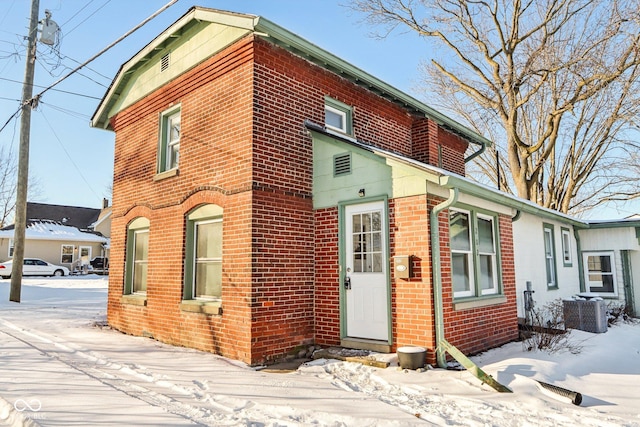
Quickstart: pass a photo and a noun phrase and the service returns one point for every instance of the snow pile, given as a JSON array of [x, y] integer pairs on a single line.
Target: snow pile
[[60, 369]]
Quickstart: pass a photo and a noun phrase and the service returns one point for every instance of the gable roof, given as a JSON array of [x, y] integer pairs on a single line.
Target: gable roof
[[448, 179], [51, 230], [275, 34], [72, 216]]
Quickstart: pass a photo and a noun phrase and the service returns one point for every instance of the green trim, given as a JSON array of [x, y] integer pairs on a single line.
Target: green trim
[[554, 258], [576, 235], [348, 154], [474, 211], [163, 139], [627, 279], [200, 213], [275, 34], [570, 262], [344, 108], [342, 250], [139, 223]]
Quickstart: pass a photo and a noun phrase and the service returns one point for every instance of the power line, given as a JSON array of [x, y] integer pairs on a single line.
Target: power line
[[68, 155], [56, 90], [127, 34]]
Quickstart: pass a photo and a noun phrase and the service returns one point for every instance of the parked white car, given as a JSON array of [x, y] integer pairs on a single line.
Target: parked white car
[[34, 267]]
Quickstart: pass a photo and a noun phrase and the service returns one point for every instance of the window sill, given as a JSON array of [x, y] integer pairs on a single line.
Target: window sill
[[480, 302], [166, 174], [132, 299], [200, 306]]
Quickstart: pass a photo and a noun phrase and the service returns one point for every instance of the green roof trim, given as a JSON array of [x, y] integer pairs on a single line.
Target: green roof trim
[[280, 36]]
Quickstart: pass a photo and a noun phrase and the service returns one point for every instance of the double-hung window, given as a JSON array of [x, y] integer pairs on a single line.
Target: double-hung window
[[550, 256], [474, 254], [567, 257], [600, 272], [203, 264], [338, 116], [66, 256], [169, 147], [137, 257]]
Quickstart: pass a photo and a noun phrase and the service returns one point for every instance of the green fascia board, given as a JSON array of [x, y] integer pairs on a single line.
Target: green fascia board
[[447, 179], [325, 59], [286, 39], [194, 16], [622, 223]]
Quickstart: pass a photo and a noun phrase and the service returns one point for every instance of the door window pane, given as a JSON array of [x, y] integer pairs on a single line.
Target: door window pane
[[367, 242]]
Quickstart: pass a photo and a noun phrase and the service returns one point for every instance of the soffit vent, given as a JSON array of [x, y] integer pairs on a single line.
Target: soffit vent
[[342, 164], [164, 62]]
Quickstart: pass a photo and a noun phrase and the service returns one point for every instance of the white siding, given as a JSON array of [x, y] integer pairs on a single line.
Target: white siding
[[529, 255]]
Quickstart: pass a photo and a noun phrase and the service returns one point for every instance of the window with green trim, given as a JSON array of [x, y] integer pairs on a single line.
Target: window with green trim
[[169, 146], [203, 263], [338, 116], [567, 257], [137, 255], [550, 256], [473, 239]]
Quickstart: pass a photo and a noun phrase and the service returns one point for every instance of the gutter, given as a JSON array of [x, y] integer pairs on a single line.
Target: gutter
[[580, 262], [437, 273]]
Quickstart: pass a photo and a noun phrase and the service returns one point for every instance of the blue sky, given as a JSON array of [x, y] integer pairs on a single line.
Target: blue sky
[[72, 161]]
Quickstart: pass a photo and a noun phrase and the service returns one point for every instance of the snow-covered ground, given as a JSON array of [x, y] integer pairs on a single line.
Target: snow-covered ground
[[57, 368]]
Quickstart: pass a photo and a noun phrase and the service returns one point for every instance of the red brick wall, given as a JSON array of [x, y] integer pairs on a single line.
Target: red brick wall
[[327, 277], [436, 146], [215, 160], [412, 299], [478, 329], [244, 147]]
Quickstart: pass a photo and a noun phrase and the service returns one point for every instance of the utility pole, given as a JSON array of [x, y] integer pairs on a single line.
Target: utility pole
[[23, 157]]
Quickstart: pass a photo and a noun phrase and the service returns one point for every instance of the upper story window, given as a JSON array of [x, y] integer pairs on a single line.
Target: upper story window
[[338, 116], [169, 147], [473, 240]]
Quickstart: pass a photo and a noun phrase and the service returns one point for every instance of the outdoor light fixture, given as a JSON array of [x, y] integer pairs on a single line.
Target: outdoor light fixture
[[361, 192]]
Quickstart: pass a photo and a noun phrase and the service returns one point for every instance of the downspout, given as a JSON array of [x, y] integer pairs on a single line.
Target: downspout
[[437, 274], [516, 216], [580, 262], [475, 154]]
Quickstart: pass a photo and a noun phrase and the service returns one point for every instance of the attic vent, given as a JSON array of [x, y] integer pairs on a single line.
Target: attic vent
[[342, 164], [164, 62]]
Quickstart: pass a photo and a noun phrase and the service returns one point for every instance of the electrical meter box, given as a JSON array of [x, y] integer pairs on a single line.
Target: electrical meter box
[[403, 266]]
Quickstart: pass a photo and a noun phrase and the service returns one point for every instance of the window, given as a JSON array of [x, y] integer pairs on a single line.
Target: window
[[10, 248], [550, 256], [367, 242], [599, 271], [338, 116], [474, 256], [203, 263], [136, 262], [67, 254], [169, 150], [567, 257]]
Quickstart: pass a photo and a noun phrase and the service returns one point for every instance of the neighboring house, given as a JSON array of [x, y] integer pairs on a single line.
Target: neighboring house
[[268, 195], [58, 234], [563, 256]]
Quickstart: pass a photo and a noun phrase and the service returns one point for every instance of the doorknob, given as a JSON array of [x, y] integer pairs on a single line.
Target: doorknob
[[347, 282]]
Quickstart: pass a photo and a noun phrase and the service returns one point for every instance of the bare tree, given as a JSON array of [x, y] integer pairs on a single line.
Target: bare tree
[[8, 185], [555, 83]]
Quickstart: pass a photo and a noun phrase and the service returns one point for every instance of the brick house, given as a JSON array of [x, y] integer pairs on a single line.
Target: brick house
[[304, 201]]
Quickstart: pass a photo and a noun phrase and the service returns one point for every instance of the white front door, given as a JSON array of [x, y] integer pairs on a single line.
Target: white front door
[[85, 255], [365, 284]]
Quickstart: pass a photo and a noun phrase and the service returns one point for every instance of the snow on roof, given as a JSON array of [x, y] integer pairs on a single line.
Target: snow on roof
[[47, 230]]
